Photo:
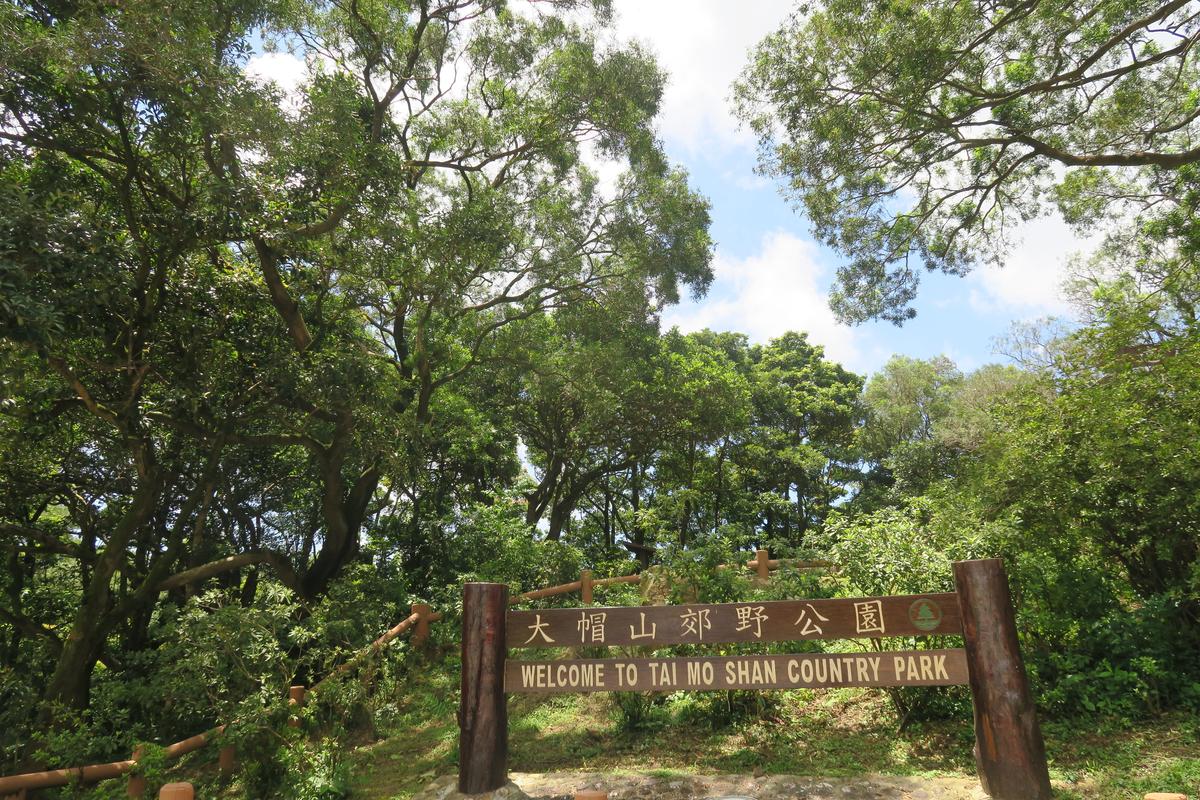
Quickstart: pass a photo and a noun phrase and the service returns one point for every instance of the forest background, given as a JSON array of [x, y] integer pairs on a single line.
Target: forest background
[[276, 364]]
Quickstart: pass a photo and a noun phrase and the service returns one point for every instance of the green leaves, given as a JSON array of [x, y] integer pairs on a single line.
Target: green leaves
[[916, 135]]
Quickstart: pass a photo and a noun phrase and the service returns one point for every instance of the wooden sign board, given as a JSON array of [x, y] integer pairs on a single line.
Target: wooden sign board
[[803, 670], [774, 621], [1009, 750]]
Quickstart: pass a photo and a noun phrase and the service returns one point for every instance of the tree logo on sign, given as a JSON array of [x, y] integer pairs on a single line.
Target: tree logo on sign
[[925, 614]]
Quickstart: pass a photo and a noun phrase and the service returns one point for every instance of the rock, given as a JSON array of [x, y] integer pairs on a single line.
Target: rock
[[446, 788]]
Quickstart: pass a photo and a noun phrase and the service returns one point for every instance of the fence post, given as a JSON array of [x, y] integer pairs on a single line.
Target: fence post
[[1009, 752], [177, 791], [421, 634], [295, 699], [483, 713], [227, 760], [585, 586], [137, 781], [762, 566]]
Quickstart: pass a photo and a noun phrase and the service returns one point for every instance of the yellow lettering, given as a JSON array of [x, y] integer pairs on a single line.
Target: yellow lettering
[[939, 666]]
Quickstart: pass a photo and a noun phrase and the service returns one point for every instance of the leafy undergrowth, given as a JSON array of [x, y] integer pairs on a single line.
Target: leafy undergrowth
[[831, 733]]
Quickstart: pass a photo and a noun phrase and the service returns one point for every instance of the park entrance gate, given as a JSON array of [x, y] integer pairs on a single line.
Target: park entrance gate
[[1009, 752]]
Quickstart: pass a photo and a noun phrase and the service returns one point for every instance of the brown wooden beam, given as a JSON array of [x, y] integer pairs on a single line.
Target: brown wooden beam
[[1009, 752], [483, 712]]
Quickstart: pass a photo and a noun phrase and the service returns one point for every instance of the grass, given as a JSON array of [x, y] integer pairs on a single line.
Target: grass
[[830, 733]]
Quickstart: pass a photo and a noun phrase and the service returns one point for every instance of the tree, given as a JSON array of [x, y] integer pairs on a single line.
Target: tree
[[207, 288], [799, 450], [1103, 461], [609, 407], [917, 134], [905, 405]]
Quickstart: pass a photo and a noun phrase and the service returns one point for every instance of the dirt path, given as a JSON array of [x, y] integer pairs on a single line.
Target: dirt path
[[562, 786]]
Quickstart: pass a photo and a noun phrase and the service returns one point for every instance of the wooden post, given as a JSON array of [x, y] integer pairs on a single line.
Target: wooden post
[[1009, 752], [483, 712], [585, 586], [295, 699], [421, 634], [177, 791], [591, 794], [762, 565], [137, 781], [227, 760]]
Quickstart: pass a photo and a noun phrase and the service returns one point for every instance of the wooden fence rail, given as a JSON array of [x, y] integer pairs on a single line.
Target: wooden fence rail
[[13, 787]]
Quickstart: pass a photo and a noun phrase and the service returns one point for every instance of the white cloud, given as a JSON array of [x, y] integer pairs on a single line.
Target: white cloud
[[703, 45], [608, 171], [285, 70], [1031, 281], [781, 288]]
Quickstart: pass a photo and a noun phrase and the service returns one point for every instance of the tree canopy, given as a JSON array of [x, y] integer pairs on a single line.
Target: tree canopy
[[918, 135]]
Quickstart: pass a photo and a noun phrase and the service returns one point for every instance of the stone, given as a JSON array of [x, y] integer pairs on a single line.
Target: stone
[[446, 788]]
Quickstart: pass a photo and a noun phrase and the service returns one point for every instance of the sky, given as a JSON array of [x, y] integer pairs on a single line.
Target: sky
[[771, 275]]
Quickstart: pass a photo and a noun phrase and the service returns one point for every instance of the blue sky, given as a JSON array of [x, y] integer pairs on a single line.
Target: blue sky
[[771, 275]]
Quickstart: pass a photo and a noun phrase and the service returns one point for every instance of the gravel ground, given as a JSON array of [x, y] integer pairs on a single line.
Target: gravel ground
[[563, 785]]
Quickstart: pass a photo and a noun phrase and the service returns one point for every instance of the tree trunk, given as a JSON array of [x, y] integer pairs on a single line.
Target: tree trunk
[[344, 514], [70, 684], [639, 533]]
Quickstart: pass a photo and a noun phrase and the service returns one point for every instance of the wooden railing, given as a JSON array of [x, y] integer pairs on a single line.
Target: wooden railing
[[15, 787]]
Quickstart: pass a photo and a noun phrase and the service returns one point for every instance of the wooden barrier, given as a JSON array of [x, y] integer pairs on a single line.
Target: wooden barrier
[[137, 781], [419, 621], [177, 791], [483, 712], [421, 634], [1009, 751], [295, 700], [586, 594], [227, 761]]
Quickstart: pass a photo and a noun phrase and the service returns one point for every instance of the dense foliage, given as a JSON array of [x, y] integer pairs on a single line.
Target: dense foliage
[[918, 135]]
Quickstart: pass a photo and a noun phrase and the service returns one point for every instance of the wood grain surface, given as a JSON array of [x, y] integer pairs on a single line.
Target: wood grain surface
[[775, 621], [711, 673]]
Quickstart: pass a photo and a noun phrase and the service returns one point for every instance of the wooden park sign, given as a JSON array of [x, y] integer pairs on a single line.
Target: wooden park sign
[[1009, 751]]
